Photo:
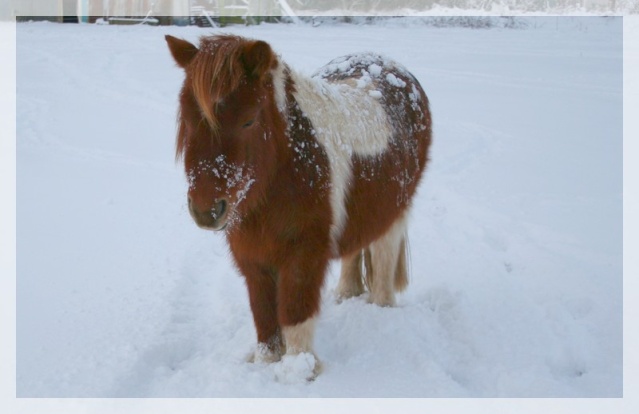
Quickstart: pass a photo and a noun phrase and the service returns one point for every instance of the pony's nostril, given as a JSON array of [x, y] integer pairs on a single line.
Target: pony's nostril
[[213, 218], [219, 209]]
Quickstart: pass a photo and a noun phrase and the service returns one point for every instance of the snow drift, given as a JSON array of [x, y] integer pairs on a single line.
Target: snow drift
[[516, 233]]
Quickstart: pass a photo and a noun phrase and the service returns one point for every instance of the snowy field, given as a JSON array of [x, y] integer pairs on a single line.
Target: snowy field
[[516, 233]]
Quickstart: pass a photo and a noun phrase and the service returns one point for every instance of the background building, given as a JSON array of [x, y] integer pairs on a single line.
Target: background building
[[253, 11], [203, 12]]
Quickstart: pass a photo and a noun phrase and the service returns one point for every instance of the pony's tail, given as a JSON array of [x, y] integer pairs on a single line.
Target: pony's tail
[[403, 259], [368, 269]]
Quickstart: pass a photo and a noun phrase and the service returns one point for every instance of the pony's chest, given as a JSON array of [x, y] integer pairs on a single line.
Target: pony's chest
[[298, 199]]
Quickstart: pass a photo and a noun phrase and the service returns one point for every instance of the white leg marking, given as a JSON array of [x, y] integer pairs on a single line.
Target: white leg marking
[[350, 281], [385, 253], [264, 355], [299, 361], [299, 338], [346, 120]]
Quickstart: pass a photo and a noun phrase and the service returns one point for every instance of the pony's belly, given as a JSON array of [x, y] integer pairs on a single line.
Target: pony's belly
[[380, 194]]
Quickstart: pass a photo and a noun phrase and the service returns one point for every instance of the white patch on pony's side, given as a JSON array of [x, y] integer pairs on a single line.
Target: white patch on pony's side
[[347, 120]]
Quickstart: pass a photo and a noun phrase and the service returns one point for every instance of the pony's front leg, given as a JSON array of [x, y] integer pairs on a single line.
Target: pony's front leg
[[299, 295], [262, 287]]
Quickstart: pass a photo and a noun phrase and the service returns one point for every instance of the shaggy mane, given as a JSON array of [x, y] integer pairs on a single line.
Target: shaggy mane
[[214, 73]]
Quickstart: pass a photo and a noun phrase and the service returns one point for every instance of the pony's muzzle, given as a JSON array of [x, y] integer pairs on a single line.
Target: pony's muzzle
[[213, 219]]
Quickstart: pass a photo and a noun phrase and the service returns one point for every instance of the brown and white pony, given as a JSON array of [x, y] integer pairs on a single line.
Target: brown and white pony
[[299, 170]]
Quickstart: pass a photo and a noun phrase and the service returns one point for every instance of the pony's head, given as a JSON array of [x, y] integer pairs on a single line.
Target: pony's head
[[227, 120]]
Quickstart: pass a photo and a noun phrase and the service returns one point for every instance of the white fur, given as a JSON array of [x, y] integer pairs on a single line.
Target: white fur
[[351, 277], [299, 338], [264, 355], [300, 357], [279, 85], [385, 253], [346, 120]]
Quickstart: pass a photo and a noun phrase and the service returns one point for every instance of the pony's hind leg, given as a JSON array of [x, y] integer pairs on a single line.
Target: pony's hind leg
[[351, 277], [386, 265]]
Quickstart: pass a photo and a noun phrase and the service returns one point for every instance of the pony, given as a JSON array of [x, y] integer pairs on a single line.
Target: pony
[[299, 170]]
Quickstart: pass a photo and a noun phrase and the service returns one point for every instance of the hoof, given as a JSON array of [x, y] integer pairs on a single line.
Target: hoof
[[264, 355], [384, 300], [297, 368], [346, 292]]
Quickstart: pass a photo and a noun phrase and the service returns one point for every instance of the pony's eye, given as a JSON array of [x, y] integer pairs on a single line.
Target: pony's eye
[[248, 123]]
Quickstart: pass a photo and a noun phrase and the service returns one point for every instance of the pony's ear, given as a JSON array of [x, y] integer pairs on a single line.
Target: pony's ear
[[183, 52], [258, 58]]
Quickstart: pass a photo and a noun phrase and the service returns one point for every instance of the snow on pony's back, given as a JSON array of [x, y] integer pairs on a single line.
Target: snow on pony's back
[[322, 168]]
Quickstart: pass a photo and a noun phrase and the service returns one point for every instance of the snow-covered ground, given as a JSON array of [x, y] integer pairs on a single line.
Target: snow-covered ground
[[516, 234]]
